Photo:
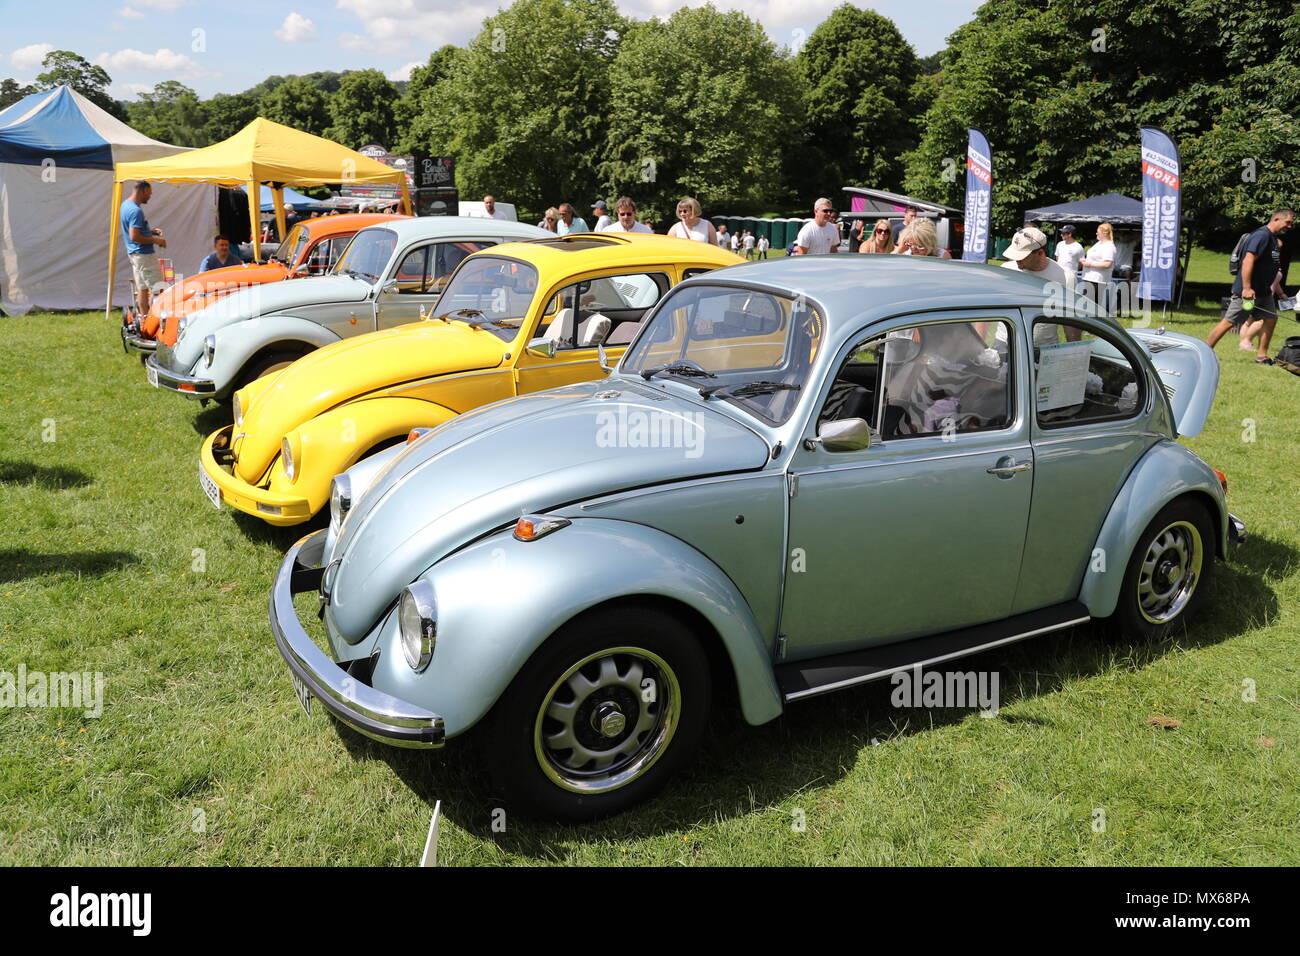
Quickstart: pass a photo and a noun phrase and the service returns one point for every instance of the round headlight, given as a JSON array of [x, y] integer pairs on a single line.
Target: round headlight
[[237, 406], [290, 466], [209, 348], [340, 498], [417, 616]]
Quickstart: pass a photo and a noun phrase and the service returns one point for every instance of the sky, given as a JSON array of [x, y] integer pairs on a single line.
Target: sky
[[225, 46]]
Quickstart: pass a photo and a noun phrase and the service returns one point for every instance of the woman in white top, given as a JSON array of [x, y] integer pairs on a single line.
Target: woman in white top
[[690, 225], [1098, 265]]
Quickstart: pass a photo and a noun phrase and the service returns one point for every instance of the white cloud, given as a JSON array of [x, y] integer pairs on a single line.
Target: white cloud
[[29, 57], [296, 29], [125, 91], [130, 13], [401, 26], [164, 60], [404, 72], [164, 5]]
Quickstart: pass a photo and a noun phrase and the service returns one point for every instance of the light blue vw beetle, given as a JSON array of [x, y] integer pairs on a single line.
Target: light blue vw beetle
[[385, 277], [804, 475]]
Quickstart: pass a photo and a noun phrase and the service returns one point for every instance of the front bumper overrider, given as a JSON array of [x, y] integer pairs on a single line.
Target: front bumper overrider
[[364, 709], [272, 507]]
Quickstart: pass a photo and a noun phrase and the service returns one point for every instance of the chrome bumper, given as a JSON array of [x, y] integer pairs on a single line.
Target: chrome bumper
[[132, 340], [364, 709], [179, 382], [1236, 529]]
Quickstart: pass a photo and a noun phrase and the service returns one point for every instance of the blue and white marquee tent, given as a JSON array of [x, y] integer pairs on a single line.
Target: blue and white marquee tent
[[57, 151]]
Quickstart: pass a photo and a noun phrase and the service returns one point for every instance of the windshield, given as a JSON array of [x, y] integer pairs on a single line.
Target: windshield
[[367, 254], [751, 348], [292, 245], [491, 290]]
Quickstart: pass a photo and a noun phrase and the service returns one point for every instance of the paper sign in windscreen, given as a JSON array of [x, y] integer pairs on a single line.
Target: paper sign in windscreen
[[1062, 374]]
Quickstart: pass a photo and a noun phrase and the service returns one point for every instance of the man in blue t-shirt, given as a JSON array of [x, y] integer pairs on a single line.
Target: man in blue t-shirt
[[222, 255], [140, 242], [1259, 284]]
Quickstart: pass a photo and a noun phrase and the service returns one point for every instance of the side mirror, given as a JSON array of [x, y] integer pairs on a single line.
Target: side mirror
[[845, 434], [541, 348], [389, 287], [302, 269], [604, 362]]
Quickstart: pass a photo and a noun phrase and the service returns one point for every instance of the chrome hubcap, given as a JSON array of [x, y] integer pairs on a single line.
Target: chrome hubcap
[[1169, 572], [607, 720]]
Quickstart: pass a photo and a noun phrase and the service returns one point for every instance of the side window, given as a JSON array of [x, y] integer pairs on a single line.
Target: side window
[[947, 378], [604, 311], [410, 273], [687, 273], [1081, 377], [444, 259]]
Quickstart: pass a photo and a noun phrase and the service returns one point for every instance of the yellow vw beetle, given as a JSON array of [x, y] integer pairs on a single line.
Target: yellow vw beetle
[[519, 317]]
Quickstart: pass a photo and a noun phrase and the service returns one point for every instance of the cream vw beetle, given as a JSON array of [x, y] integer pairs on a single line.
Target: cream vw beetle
[[385, 277], [803, 475]]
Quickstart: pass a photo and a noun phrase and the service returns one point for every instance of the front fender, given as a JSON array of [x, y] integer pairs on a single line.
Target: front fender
[[330, 443], [240, 341], [1167, 471], [500, 598]]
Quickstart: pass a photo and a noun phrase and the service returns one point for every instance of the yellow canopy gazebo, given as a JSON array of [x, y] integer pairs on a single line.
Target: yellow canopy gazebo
[[261, 152]]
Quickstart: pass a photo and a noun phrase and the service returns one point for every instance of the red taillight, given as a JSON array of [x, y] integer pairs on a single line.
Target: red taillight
[[1223, 480]]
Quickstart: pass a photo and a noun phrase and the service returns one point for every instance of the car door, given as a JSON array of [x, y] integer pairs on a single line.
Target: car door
[[417, 280], [583, 314], [922, 531], [1089, 429]]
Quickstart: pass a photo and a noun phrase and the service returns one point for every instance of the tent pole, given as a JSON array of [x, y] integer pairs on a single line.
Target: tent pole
[[406, 198], [1187, 262], [254, 219], [114, 204], [277, 195]]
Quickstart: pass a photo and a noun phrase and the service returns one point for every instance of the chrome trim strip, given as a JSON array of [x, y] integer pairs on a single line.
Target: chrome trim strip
[[1082, 436], [453, 376], [966, 652], [809, 472], [618, 496], [364, 709], [172, 380]]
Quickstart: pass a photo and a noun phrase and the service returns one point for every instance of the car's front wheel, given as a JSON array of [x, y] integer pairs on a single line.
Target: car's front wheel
[[1168, 572], [601, 715]]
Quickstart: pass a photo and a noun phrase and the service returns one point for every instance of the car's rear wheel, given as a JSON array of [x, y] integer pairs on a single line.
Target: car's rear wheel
[[601, 716], [1168, 572]]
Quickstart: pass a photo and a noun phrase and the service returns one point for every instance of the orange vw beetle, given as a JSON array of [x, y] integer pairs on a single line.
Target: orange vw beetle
[[311, 247]]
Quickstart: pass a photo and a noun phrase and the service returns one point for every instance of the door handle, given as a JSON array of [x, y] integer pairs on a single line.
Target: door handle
[[1007, 467]]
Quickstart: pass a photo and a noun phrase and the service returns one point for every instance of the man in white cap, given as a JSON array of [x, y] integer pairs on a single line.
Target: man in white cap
[[1028, 254]]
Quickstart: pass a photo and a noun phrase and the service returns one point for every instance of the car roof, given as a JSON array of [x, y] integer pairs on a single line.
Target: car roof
[[613, 250], [434, 227], [857, 288], [347, 222]]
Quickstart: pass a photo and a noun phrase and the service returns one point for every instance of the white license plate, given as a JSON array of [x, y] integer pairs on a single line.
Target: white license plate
[[152, 373], [304, 695], [210, 488]]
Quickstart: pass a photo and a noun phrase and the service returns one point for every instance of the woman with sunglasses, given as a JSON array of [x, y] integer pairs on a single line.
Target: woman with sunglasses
[[690, 225], [881, 239]]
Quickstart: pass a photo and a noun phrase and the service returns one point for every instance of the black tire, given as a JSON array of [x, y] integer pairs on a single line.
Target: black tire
[[263, 365], [1158, 597], [650, 739]]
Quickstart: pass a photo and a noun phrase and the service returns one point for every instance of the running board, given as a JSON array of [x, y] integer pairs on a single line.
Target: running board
[[821, 675]]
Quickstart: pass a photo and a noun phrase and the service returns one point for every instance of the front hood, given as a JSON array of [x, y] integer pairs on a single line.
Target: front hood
[[343, 370], [267, 299], [485, 468], [1189, 373], [196, 292]]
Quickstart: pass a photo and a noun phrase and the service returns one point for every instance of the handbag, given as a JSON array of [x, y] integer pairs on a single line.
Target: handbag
[[1289, 356]]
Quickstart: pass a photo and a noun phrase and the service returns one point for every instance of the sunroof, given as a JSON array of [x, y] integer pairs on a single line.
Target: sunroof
[[574, 244]]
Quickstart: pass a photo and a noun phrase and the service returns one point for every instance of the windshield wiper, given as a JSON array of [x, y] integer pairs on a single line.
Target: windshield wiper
[[676, 368], [747, 389], [500, 324]]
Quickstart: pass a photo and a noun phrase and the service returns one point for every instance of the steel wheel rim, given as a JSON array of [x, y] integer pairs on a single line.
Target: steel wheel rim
[[572, 735], [1169, 572]]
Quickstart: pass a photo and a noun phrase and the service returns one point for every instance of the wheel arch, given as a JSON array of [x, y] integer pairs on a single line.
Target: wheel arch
[[1166, 473]]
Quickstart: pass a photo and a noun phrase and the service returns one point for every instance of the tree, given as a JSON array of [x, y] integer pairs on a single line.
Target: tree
[[170, 112], [362, 110], [228, 113], [1061, 94], [297, 103], [11, 91], [526, 110], [700, 105], [65, 68], [859, 73], [417, 111]]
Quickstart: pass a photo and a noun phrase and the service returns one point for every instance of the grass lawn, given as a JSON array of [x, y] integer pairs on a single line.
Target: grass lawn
[[111, 560]]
